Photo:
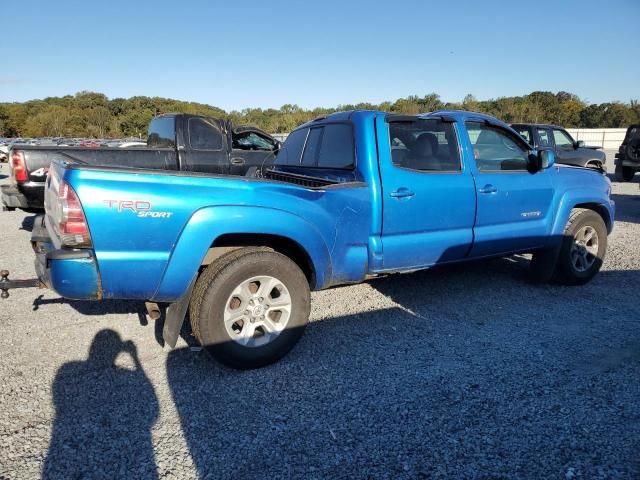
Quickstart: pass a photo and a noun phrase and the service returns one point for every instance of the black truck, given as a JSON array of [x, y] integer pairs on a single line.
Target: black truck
[[568, 151], [628, 156], [174, 142]]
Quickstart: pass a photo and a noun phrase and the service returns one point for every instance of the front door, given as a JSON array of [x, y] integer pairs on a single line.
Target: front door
[[514, 205], [250, 148], [428, 198], [565, 148]]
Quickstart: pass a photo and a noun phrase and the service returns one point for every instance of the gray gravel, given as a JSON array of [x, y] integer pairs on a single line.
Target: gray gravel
[[463, 372]]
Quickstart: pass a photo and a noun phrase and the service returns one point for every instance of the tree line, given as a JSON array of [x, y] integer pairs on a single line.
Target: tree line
[[90, 114]]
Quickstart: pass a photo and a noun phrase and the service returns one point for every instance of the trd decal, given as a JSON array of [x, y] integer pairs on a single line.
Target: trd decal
[[142, 208]]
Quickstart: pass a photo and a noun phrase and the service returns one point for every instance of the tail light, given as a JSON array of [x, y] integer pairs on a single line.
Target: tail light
[[18, 167], [71, 223]]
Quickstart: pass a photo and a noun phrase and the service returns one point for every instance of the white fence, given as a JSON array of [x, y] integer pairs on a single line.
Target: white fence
[[607, 138]]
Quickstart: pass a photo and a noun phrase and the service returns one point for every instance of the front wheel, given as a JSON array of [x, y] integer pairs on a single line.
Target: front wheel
[[583, 248], [250, 307]]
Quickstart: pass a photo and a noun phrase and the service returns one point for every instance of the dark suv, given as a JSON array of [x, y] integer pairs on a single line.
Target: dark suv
[[628, 156], [567, 150]]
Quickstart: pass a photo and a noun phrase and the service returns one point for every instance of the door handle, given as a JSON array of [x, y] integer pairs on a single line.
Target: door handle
[[402, 193], [237, 161], [488, 188]]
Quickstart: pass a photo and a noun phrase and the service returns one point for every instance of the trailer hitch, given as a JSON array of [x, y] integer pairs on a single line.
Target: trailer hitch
[[6, 284]]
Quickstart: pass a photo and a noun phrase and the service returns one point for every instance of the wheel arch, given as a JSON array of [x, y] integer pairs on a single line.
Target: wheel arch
[[213, 231], [279, 243], [600, 210], [576, 198]]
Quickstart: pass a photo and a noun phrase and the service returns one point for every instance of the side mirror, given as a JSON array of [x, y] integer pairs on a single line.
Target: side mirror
[[579, 144], [547, 158], [540, 160]]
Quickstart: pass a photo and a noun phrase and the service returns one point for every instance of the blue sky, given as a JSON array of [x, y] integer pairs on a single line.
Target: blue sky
[[323, 53]]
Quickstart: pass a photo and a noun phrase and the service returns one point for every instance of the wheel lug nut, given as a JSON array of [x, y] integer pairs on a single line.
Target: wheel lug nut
[[261, 299]]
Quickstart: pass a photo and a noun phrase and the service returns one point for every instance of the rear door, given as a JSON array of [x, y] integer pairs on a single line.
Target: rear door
[[429, 199], [513, 205], [207, 149]]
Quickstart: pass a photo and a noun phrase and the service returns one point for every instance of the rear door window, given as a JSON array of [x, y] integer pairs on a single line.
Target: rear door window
[[524, 133], [204, 134], [545, 138], [427, 145]]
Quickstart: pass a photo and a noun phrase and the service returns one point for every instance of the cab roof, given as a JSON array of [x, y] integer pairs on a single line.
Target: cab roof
[[453, 115]]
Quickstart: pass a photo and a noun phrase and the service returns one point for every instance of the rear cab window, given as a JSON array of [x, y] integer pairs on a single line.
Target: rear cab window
[[325, 146], [291, 151], [162, 132]]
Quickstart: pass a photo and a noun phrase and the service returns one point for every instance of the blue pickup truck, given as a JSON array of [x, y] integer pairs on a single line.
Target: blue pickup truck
[[351, 196]]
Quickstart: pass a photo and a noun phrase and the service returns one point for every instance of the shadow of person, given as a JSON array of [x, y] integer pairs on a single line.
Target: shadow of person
[[104, 415]]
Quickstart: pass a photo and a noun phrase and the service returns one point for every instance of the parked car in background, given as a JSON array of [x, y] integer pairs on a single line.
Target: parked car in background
[[4, 149], [175, 142], [351, 195], [628, 156], [568, 151]]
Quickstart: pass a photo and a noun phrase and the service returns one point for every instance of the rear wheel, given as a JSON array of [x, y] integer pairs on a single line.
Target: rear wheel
[[250, 307], [624, 174]]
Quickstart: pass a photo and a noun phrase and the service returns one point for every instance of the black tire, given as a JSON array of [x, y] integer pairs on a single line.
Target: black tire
[[214, 289], [632, 151], [624, 174], [567, 272], [596, 165]]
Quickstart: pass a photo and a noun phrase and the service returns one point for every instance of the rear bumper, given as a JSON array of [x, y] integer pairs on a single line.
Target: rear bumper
[[623, 162], [72, 273]]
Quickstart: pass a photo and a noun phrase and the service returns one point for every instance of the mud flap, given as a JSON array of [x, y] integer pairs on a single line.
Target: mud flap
[[175, 317]]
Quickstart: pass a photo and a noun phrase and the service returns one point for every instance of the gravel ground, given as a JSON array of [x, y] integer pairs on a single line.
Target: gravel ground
[[463, 372]]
